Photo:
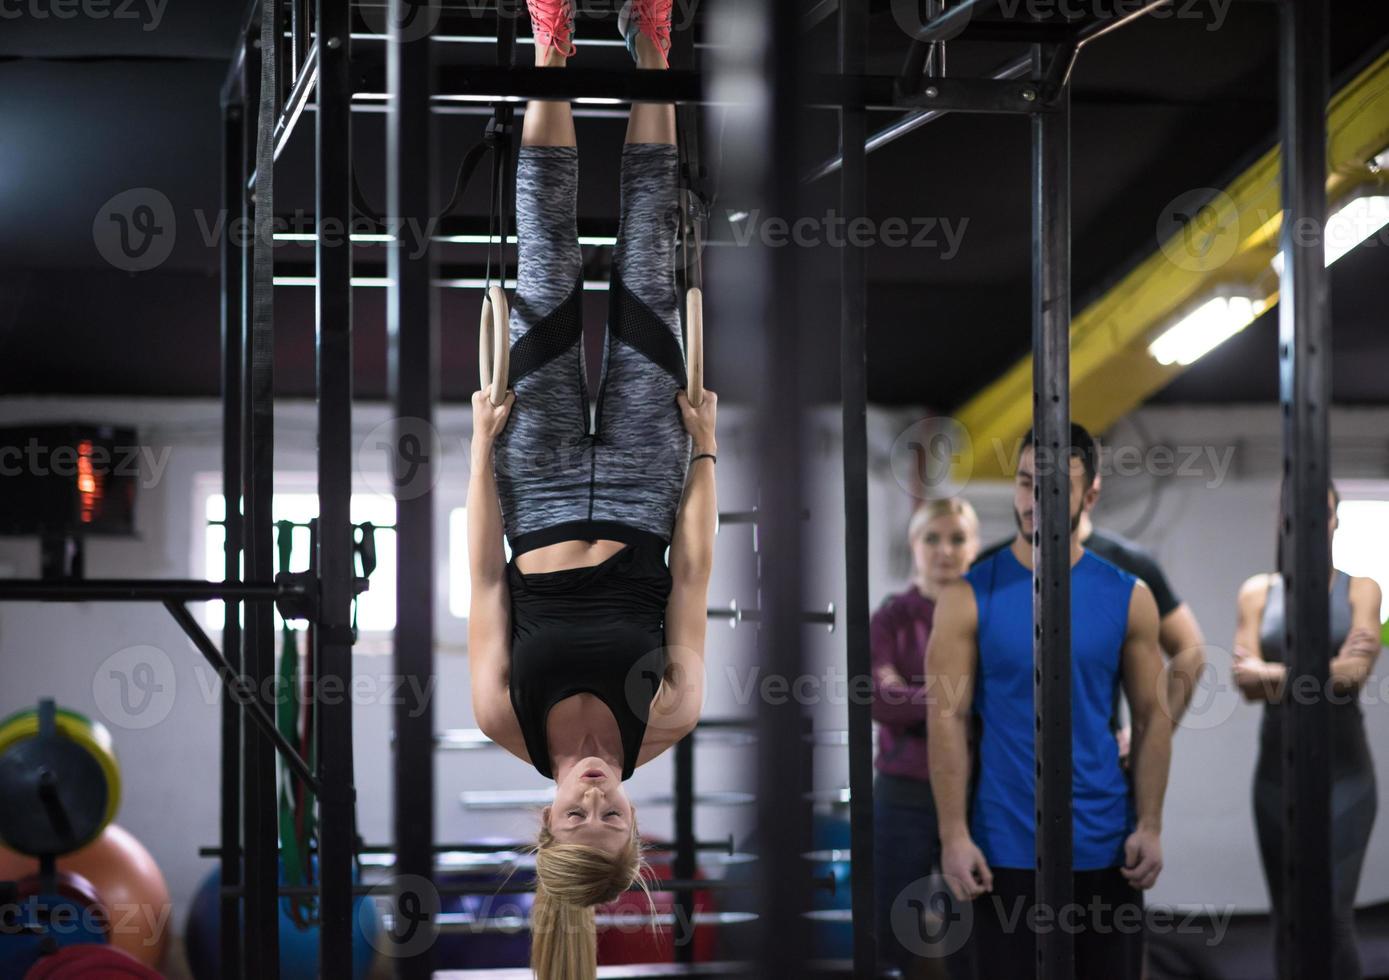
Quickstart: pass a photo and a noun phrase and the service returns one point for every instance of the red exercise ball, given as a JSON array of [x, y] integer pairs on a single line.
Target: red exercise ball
[[130, 884], [636, 942], [72, 887], [90, 963]]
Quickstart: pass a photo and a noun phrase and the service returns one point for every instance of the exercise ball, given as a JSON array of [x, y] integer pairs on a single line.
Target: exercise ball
[[73, 888], [298, 946], [129, 883], [91, 963], [35, 921], [635, 941], [508, 945], [832, 937]]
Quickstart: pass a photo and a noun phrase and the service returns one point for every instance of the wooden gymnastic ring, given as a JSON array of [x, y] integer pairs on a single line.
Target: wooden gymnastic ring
[[694, 345], [494, 344]]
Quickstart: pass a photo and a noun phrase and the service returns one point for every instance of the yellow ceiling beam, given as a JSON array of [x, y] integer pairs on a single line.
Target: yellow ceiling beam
[[1230, 241]]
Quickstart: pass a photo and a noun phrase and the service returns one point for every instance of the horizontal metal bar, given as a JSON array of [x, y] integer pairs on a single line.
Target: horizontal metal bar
[[504, 847], [453, 229], [454, 923], [139, 590], [748, 517], [912, 121], [975, 95], [474, 740], [735, 614], [510, 887], [525, 799], [488, 83], [1014, 69]]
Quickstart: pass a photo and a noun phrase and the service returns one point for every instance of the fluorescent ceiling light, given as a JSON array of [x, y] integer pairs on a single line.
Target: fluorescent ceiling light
[[1356, 221], [372, 282], [487, 99], [358, 238], [1205, 328], [364, 281], [597, 240], [365, 238]]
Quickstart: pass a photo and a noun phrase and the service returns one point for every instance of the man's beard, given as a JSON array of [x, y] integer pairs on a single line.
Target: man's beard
[[1075, 520]]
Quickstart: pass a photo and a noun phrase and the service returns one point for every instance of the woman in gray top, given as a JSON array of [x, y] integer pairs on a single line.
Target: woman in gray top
[[1260, 671]]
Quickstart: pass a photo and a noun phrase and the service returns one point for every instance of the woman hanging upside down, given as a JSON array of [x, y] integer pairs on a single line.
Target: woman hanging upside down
[[587, 649]]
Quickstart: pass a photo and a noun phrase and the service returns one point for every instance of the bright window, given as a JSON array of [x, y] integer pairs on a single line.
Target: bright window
[[1362, 543], [375, 607], [460, 576]]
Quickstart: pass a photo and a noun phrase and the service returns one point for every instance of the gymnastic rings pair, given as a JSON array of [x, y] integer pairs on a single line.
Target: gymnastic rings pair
[[494, 344]]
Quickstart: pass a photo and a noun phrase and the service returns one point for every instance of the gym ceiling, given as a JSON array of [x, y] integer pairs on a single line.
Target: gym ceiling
[[1163, 108]]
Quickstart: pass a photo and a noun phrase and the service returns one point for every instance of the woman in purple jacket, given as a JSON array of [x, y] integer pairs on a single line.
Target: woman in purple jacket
[[944, 538]]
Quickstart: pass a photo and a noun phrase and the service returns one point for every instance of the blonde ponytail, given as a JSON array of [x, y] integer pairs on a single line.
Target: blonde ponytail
[[570, 879]]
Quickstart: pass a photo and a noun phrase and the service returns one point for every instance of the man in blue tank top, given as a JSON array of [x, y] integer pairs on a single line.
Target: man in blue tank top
[[980, 659]]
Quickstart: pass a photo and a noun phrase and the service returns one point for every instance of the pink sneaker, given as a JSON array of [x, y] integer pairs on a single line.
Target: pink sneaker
[[649, 18], [552, 23]]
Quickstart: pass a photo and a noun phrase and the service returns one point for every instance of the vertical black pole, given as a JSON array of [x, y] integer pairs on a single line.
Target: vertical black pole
[[682, 55], [853, 361], [336, 564], [758, 60], [262, 926], [412, 327], [685, 854], [1305, 929], [1051, 548], [234, 176], [249, 150]]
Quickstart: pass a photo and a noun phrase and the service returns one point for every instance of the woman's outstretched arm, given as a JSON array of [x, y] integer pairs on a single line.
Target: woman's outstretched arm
[[489, 608], [692, 543], [486, 556], [675, 712]]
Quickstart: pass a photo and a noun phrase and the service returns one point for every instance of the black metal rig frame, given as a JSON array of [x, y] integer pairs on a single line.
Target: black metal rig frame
[[267, 90]]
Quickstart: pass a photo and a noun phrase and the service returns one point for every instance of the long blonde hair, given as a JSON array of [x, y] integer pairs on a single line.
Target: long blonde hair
[[928, 511], [570, 879]]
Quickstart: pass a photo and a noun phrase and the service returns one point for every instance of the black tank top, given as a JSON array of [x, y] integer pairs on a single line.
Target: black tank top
[[597, 630], [1350, 749]]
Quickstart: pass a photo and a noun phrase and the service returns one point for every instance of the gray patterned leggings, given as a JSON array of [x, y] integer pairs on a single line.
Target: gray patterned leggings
[[558, 478]]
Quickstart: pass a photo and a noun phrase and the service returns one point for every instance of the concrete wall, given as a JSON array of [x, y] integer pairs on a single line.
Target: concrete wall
[[1210, 529]]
